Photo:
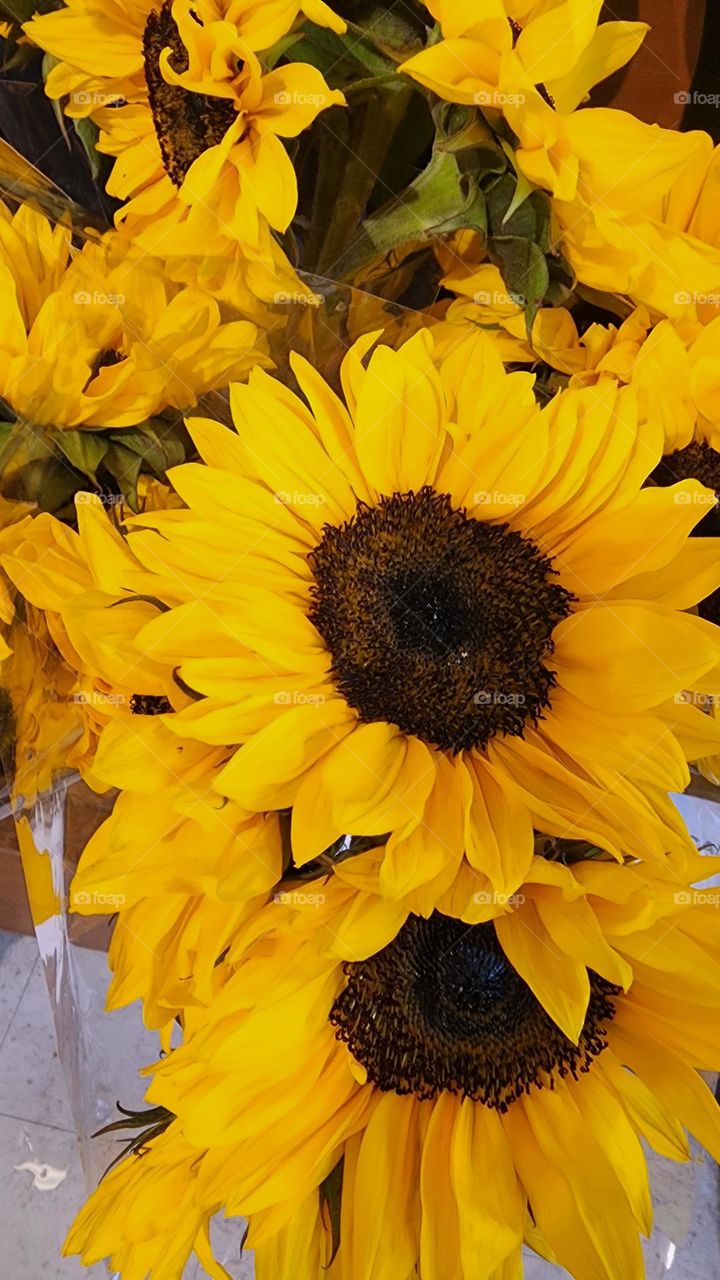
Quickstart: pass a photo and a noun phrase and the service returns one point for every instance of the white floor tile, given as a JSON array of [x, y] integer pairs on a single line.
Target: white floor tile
[[32, 1085], [17, 957], [35, 1222]]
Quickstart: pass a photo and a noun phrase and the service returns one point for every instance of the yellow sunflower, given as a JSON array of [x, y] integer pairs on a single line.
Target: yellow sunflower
[[180, 876], [416, 615], [484, 302], [183, 105], [183, 876], [533, 64], [91, 340], [634, 205], [643, 221], [465, 1118], [106, 677]]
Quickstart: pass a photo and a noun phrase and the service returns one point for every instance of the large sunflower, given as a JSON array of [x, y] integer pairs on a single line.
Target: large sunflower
[[417, 617], [183, 105], [465, 1118]]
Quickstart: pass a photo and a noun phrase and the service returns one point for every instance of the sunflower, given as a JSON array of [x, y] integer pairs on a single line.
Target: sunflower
[[532, 64], [484, 301], [183, 105], [643, 221], [146, 1215], [91, 340], [634, 206], [414, 629], [103, 678], [423, 1073], [182, 877]]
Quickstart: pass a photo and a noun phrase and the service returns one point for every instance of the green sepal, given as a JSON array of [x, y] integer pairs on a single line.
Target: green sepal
[[88, 134]]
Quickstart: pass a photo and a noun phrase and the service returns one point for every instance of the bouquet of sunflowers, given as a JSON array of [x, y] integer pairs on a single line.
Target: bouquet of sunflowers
[[359, 454]]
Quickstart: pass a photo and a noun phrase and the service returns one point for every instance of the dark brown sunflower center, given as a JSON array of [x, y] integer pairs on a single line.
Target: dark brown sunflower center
[[186, 123], [697, 461], [150, 704], [437, 622], [442, 1009]]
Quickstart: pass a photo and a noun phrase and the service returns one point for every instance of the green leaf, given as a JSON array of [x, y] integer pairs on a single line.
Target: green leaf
[[88, 133], [17, 11], [159, 444], [340, 58], [524, 270], [84, 449], [123, 465]]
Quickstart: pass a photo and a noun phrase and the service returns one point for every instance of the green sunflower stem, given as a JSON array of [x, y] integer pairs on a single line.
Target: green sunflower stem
[[351, 158], [441, 200]]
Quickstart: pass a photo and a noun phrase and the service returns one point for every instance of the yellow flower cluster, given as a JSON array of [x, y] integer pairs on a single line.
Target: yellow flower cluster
[[388, 613]]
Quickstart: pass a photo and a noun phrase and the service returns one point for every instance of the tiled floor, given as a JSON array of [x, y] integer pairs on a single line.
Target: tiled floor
[[35, 1119], [36, 1129]]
